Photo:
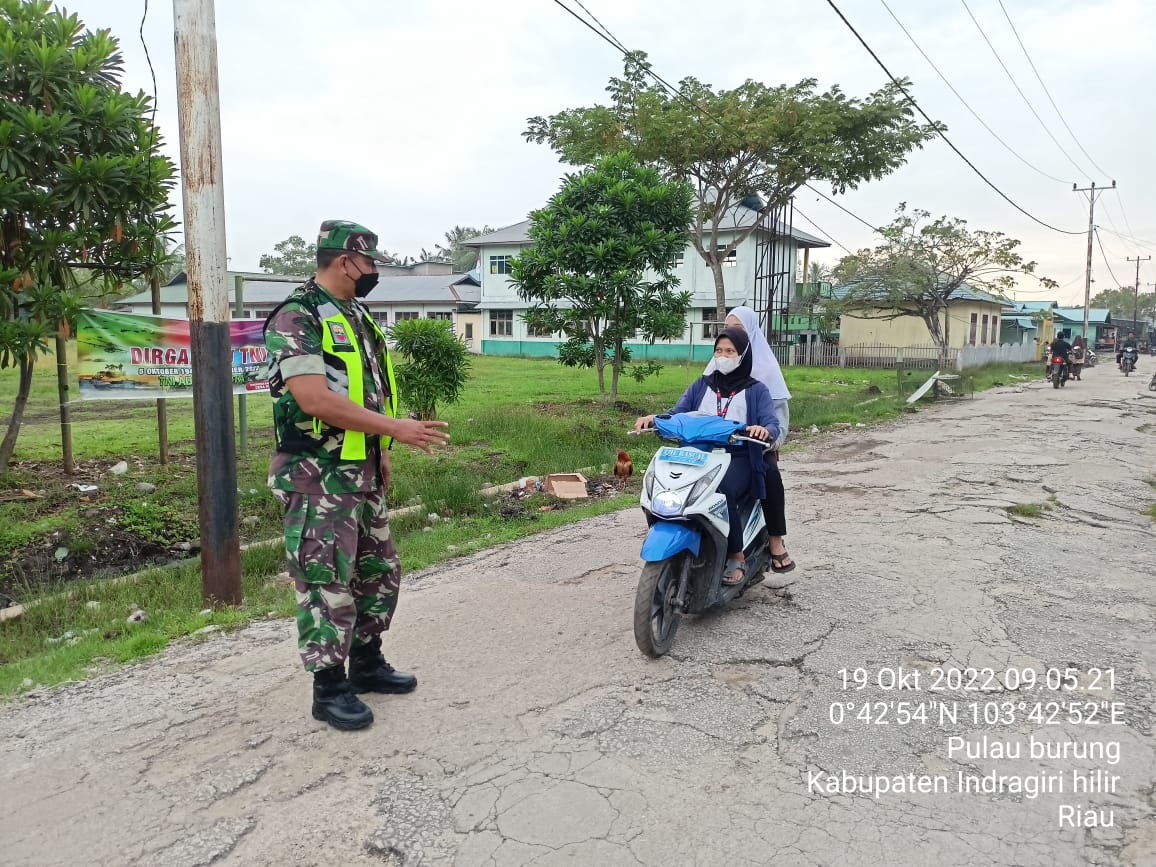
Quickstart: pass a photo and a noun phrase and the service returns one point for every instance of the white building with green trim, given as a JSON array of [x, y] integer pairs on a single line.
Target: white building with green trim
[[504, 332]]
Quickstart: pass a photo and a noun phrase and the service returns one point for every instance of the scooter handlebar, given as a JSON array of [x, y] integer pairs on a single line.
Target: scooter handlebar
[[766, 444]]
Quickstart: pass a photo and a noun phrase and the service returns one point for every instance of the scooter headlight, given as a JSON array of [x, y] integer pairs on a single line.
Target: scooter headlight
[[702, 484], [667, 504]]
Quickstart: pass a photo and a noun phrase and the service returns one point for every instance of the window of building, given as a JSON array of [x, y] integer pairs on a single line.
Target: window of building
[[983, 332], [974, 327], [710, 323], [539, 332], [448, 317], [501, 323], [406, 314], [678, 259], [263, 313], [732, 258], [381, 317], [469, 331], [500, 264]]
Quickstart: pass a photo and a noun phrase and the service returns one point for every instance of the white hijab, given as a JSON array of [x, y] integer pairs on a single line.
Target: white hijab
[[765, 367]]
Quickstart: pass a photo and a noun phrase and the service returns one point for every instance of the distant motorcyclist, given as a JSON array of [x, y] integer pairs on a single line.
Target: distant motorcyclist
[[1060, 348], [1129, 343]]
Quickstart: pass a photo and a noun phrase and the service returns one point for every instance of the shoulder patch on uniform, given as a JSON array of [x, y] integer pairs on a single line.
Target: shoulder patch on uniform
[[338, 333]]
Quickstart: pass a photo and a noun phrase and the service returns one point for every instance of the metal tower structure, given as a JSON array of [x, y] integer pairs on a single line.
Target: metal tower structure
[[774, 270]]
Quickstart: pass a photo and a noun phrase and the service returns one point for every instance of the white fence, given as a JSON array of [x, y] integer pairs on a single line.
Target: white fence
[[887, 357], [975, 356]]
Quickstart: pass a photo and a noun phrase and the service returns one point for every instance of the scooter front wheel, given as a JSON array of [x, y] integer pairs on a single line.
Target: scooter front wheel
[[657, 608]]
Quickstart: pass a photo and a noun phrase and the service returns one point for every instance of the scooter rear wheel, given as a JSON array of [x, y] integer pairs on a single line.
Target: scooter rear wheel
[[657, 610]]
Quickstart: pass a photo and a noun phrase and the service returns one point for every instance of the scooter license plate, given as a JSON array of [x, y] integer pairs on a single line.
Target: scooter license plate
[[693, 457]]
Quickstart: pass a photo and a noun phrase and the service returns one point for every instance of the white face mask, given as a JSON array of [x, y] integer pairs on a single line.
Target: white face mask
[[727, 365]]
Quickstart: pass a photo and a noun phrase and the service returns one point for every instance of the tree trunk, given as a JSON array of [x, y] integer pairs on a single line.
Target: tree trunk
[[25, 388], [946, 333], [600, 366], [62, 392], [938, 338], [617, 368], [720, 292]]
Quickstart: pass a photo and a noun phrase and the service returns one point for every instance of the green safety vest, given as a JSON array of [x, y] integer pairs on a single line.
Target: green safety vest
[[341, 348], [342, 351]]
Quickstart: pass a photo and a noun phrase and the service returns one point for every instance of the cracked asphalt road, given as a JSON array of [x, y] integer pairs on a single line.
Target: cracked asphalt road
[[539, 735]]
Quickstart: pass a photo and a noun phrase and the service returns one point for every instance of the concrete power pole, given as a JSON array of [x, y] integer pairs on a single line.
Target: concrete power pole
[[1136, 297], [199, 114], [1092, 192]]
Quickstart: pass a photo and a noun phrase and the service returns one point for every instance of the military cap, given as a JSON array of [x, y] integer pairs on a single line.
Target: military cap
[[347, 235]]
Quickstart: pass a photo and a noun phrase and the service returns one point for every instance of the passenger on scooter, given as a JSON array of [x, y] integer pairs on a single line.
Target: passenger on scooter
[[731, 392], [1076, 359]]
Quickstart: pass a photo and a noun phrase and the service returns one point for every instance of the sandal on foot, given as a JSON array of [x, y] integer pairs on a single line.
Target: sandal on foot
[[735, 573], [778, 564]]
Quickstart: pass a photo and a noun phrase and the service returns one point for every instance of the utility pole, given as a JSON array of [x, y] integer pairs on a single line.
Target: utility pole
[[1092, 192], [199, 114], [1136, 297]]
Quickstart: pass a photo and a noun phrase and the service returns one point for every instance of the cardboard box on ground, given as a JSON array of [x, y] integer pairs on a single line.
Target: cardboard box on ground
[[566, 486]]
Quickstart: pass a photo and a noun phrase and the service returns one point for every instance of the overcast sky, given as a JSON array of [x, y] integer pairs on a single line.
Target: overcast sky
[[408, 116]]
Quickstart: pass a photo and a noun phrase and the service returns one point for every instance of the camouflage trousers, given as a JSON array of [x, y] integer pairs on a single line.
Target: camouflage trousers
[[345, 569]]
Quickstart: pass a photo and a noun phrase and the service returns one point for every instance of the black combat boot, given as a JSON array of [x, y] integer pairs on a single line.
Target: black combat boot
[[369, 672], [335, 702]]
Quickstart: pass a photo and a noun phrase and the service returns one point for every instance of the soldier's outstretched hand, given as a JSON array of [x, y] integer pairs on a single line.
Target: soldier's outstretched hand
[[422, 434]]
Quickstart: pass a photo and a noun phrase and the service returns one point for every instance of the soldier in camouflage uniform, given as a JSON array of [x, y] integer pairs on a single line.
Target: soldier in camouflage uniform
[[334, 414]]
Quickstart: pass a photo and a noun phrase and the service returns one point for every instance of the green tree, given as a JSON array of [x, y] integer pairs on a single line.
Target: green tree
[[922, 266], [600, 267], [752, 139], [454, 249], [82, 187], [292, 257], [435, 367], [1123, 302]]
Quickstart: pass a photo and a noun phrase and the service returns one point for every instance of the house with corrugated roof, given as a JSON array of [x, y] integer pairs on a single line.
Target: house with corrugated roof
[[1101, 329], [505, 333], [400, 294], [971, 318], [1027, 322]]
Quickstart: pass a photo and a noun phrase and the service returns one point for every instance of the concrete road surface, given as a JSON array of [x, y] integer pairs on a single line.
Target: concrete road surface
[[939, 683]]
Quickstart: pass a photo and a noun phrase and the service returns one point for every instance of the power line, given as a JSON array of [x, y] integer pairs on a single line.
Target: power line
[[614, 39], [939, 131], [1104, 256], [966, 105], [1140, 242], [615, 43], [823, 232], [842, 208], [1124, 213], [1039, 78], [1015, 84], [605, 35]]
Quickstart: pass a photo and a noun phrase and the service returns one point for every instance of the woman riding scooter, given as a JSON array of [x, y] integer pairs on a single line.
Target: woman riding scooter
[[731, 392]]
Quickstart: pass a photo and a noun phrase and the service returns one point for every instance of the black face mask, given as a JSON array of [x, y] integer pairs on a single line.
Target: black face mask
[[365, 283]]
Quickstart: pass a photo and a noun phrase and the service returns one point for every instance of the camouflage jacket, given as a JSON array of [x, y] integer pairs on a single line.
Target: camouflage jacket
[[308, 333]]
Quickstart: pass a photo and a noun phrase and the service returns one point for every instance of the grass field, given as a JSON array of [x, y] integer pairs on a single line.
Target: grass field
[[518, 417]]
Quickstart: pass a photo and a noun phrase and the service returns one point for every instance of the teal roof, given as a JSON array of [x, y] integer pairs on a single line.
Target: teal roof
[[963, 293], [1036, 305], [1096, 315], [1024, 322]]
